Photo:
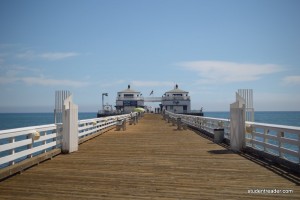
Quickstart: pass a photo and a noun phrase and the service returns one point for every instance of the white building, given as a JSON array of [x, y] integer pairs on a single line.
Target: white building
[[129, 99], [176, 101]]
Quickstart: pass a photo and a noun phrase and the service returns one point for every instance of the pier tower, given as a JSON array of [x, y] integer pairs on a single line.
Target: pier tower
[[129, 99], [177, 101]]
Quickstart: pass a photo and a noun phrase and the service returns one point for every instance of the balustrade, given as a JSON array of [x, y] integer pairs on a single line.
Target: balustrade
[[277, 140]]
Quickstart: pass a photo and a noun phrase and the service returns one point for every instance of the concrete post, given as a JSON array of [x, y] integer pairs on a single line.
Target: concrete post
[[165, 117], [132, 119], [179, 125], [173, 121], [124, 124], [237, 124], [70, 126], [119, 124]]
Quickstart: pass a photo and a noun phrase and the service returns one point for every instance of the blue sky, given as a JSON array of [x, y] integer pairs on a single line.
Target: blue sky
[[210, 48]]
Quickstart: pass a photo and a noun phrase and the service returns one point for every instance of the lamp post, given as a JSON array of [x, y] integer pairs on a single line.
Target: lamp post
[[103, 94]]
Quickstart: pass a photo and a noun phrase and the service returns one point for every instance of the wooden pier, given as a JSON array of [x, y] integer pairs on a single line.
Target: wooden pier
[[151, 160]]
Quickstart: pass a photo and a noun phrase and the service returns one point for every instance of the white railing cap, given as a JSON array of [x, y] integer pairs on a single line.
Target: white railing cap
[[265, 125], [26, 128]]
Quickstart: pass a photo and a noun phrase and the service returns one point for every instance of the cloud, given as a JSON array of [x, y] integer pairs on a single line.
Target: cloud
[[58, 55], [42, 81], [7, 80], [13, 71], [31, 76], [212, 72], [53, 82], [2, 57], [28, 55], [52, 56], [152, 83], [291, 80]]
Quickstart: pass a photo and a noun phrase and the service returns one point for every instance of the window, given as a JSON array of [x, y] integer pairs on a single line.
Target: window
[[128, 95]]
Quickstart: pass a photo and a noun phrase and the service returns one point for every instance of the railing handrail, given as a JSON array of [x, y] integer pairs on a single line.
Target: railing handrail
[[94, 119], [7, 131], [32, 140], [286, 127], [293, 128], [9, 155], [176, 98], [130, 98], [251, 134]]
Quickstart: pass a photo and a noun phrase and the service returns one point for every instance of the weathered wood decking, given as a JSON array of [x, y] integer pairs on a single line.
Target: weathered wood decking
[[151, 160]]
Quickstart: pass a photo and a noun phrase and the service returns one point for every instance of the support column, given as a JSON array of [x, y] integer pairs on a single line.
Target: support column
[[237, 124], [70, 126], [174, 121], [179, 123], [169, 119]]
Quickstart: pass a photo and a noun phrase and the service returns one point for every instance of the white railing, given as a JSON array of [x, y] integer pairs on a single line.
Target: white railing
[[171, 98], [207, 124], [153, 99], [277, 140], [130, 98], [21, 143], [90, 126]]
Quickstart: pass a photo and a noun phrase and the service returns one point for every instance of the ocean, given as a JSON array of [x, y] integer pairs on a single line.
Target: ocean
[[289, 118], [18, 120]]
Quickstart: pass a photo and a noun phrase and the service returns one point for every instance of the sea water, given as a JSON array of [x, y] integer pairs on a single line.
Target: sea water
[[18, 120], [289, 118]]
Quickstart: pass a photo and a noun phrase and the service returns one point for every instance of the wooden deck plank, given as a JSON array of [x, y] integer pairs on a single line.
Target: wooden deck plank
[[150, 160]]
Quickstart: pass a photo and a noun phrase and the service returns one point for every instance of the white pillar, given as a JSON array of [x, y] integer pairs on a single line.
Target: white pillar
[[70, 126], [237, 124]]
